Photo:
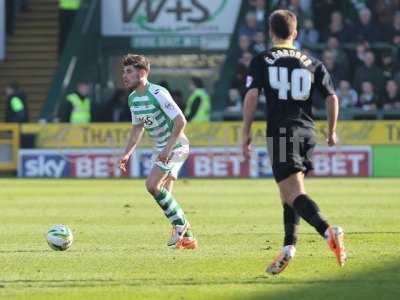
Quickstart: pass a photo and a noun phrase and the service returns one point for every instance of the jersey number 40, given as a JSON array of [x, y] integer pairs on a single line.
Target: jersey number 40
[[299, 85]]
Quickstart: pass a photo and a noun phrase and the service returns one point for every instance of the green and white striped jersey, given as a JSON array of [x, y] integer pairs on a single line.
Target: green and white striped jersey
[[156, 110]]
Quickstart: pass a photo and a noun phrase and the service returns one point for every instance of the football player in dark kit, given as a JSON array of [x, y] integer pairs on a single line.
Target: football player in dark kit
[[288, 78]]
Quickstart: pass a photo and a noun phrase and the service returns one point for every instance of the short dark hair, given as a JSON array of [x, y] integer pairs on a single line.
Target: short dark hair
[[137, 61], [197, 82], [13, 85], [282, 23]]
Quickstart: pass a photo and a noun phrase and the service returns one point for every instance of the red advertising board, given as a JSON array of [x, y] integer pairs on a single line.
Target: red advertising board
[[217, 163], [99, 165], [350, 161], [202, 162]]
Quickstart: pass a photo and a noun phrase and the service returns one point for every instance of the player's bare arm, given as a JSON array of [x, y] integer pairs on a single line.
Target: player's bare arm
[[249, 109], [134, 139], [179, 126], [332, 106]]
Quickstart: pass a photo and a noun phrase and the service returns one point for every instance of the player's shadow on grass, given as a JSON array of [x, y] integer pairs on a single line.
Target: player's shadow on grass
[[25, 251], [379, 282], [69, 283]]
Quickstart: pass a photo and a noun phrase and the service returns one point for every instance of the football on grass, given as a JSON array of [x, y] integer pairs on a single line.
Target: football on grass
[[59, 237]]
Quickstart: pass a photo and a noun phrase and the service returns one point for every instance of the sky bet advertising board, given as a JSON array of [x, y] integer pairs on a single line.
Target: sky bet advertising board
[[345, 161]]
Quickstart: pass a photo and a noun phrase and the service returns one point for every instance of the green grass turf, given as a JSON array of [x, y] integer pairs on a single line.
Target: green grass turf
[[120, 241]]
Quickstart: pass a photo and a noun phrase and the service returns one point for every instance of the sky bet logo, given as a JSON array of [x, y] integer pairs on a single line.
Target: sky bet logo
[[146, 13], [54, 166]]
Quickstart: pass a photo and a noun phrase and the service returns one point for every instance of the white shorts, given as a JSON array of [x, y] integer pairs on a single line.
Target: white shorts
[[178, 158]]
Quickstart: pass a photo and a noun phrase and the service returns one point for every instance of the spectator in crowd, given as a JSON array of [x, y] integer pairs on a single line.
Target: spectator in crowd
[[322, 11], [337, 28], [67, 11], [359, 4], [368, 99], [245, 59], [384, 12], [337, 72], [244, 44], [369, 72], [239, 80], [258, 45], [295, 7], [347, 95], [16, 108], [198, 105], [234, 100], [259, 8], [393, 33], [116, 109], [390, 67], [241, 72], [340, 56], [306, 5], [77, 108], [366, 29], [250, 28], [356, 74], [391, 100], [308, 34], [358, 56], [396, 77]]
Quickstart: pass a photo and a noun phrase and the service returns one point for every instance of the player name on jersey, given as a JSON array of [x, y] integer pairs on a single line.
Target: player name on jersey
[[277, 54]]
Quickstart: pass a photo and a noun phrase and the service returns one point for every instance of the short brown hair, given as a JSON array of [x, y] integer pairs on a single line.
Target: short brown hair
[[137, 61], [282, 23]]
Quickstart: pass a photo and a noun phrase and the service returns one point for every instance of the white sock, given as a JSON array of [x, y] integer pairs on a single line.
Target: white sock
[[289, 250], [326, 233], [336, 230]]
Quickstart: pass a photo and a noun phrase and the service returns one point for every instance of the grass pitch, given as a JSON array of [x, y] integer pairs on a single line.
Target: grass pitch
[[120, 241]]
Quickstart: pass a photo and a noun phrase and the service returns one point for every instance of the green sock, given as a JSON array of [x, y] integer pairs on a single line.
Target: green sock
[[188, 233], [171, 208]]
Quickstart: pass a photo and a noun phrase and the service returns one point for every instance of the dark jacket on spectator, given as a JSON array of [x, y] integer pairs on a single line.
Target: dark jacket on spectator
[[345, 35], [338, 73], [367, 32], [368, 101], [391, 33], [322, 10], [116, 108], [390, 71], [389, 102], [371, 74]]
